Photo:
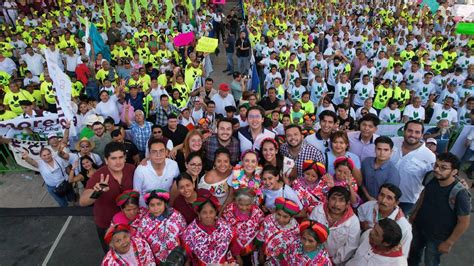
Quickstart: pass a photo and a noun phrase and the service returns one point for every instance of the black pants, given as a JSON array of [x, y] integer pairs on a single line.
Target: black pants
[[101, 233]]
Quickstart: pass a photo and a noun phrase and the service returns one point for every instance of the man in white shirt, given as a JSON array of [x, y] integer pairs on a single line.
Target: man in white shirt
[[386, 206], [380, 246], [337, 214], [413, 160], [443, 111], [223, 99], [364, 89], [158, 173], [320, 139], [33, 61], [414, 111], [70, 60], [425, 88]]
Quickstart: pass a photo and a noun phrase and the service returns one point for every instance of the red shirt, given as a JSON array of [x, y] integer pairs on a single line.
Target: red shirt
[[185, 209], [82, 73], [105, 206]]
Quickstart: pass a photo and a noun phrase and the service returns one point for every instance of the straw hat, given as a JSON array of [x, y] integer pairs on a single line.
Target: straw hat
[[84, 139]]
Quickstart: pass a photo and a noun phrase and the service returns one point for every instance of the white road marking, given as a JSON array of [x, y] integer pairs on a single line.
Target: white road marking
[[56, 242]]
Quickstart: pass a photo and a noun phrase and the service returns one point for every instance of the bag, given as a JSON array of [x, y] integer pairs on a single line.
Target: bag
[[458, 187], [177, 257], [63, 188]]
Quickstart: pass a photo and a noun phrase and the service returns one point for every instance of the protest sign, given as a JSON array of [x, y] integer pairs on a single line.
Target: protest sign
[[207, 45], [433, 5], [183, 39], [43, 125], [33, 148]]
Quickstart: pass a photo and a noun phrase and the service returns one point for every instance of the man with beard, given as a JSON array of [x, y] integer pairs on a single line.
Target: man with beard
[[320, 139], [298, 150], [223, 139], [442, 213], [337, 214], [386, 206], [380, 246], [362, 143], [252, 135], [412, 160]]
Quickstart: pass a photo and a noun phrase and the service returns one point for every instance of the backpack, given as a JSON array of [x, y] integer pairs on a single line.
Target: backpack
[[458, 187]]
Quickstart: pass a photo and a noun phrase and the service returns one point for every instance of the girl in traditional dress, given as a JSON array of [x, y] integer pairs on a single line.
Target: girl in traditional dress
[[343, 177], [269, 155], [310, 250], [246, 174], [130, 211], [161, 225], [274, 187], [126, 249], [187, 196], [207, 239], [312, 187], [245, 217], [278, 231]]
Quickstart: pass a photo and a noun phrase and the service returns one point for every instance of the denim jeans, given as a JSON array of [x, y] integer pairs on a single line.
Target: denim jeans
[[421, 243], [62, 201], [243, 64], [230, 62]]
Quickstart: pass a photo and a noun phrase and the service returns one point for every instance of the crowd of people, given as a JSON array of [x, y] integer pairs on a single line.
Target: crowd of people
[[293, 173]]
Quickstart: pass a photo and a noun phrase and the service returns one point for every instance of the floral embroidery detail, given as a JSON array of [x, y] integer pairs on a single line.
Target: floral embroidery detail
[[246, 230], [209, 248], [277, 239], [163, 236]]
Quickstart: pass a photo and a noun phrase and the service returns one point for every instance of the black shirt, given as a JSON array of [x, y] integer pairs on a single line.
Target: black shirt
[[267, 104], [178, 136], [435, 219], [231, 42], [130, 150], [243, 44]]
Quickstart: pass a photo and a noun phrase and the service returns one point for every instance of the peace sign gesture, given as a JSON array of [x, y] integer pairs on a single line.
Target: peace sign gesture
[[103, 184]]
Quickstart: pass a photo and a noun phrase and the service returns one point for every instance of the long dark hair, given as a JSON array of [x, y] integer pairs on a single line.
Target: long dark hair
[[279, 157], [83, 171]]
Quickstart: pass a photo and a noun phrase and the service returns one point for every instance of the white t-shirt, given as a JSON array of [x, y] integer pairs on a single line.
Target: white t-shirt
[[414, 113], [109, 108], [424, 90], [53, 176], [146, 179], [7, 65], [363, 91], [221, 103], [341, 92], [34, 63], [388, 115], [440, 113]]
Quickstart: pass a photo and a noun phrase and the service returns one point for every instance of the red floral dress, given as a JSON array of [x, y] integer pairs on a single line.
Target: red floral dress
[[120, 218], [141, 249], [245, 228], [277, 239], [298, 257], [205, 247], [162, 235], [310, 195]]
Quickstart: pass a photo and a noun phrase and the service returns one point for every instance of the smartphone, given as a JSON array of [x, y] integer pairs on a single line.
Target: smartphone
[[97, 194]]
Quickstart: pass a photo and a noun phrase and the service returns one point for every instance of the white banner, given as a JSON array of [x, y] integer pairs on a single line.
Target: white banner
[[33, 147], [42, 125], [394, 130], [62, 85]]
